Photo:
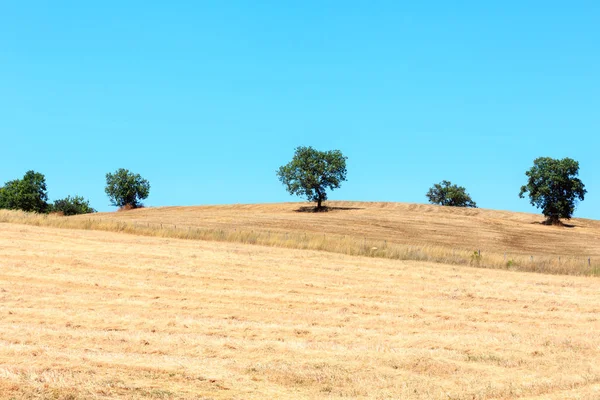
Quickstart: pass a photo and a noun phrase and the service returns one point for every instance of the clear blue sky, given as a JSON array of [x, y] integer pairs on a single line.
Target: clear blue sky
[[206, 99]]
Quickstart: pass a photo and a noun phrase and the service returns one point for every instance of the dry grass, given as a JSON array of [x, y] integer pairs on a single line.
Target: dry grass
[[505, 240], [88, 314], [410, 224]]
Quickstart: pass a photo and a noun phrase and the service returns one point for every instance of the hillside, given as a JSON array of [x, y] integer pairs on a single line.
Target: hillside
[[410, 224], [102, 315]]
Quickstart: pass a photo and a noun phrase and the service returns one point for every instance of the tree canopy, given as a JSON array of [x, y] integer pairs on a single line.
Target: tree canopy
[[447, 194], [124, 188], [27, 194], [553, 186], [312, 172], [72, 206]]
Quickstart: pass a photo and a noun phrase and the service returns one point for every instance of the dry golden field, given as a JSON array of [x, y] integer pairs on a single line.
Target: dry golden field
[[411, 224], [96, 315], [503, 240]]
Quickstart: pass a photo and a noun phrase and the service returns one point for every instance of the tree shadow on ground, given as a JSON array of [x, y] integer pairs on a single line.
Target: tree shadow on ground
[[549, 223], [313, 209]]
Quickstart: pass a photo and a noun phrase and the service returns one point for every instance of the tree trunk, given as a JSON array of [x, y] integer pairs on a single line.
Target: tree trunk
[[553, 219], [319, 203]]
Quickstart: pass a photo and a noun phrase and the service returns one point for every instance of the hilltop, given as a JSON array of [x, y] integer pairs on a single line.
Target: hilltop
[[408, 224]]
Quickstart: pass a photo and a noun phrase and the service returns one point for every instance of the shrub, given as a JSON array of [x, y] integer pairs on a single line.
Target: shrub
[[476, 258], [447, 194], [72, 206]]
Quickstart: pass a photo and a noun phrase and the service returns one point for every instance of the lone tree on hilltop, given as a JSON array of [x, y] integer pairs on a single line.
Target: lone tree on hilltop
[[312, 172], [27, 194], [125, 188], [447, 194], [554, 187]]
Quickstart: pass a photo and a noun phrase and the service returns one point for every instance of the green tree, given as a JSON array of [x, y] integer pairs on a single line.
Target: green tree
[[126, 188], [72, 206], [27, 194], [447, 194], [311, 173], [554, 187]]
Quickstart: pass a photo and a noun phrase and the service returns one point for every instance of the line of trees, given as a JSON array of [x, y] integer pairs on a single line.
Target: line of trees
[[30, 194], [552, 184], [125, 189]]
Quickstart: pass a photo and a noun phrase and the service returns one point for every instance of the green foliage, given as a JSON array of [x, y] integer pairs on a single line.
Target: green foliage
[[476, 258], [27, 194], [125, 188], [72, 206], [312, 172], [447, 194], [554, 187]]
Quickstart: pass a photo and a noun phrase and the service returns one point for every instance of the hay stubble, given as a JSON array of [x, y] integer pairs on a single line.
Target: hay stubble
[[87, 314]]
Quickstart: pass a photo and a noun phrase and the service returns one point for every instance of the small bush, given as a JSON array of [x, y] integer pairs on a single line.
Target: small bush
[[72, 206], [476, 258], [447, 194]]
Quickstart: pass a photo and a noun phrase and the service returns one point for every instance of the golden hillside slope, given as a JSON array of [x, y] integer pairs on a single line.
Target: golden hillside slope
[[104, 315], [410, 224]]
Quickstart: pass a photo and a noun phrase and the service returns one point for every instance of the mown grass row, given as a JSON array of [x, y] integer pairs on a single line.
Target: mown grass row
[[350, 245]]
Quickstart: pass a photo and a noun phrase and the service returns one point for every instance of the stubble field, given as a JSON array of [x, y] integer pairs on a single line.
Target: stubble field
[[398, 231], [403, 223], [88, 314]]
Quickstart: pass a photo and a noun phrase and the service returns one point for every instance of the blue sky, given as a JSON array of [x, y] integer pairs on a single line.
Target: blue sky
[[207, 99]]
